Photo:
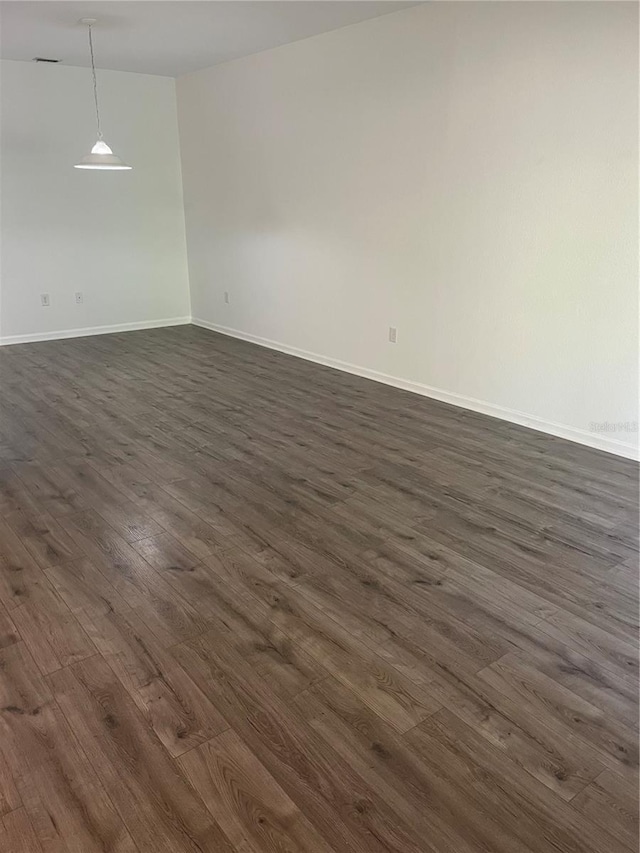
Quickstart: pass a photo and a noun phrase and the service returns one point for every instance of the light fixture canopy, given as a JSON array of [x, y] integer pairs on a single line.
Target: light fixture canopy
[[101, 156]]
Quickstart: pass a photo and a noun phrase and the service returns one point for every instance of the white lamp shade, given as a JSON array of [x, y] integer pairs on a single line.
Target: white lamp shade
[[101, 157]]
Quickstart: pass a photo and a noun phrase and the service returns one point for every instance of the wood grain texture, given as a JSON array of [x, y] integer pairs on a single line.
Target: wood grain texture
[[247, 802], [17, 834], [158, 806], [67, 806], [253, 605]]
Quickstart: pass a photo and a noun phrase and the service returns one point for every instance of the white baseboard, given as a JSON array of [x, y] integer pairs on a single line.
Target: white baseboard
[[579, 436], [93, 330]]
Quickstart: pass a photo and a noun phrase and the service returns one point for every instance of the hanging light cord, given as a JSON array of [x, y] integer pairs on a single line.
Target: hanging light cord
[[95, 82]]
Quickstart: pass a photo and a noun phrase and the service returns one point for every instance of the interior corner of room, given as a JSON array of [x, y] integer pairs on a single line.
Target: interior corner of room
[[430, 198]]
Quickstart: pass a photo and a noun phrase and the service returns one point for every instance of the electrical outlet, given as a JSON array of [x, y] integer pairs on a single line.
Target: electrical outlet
[[79, 298], [44, 299], [393, 335], [226, 296]]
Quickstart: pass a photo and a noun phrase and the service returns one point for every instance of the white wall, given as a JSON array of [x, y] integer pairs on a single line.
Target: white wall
[[118, 237], [465, 172]]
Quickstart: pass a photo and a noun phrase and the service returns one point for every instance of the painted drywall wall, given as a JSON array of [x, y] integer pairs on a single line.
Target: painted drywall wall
[[463, 172], [116, 237]]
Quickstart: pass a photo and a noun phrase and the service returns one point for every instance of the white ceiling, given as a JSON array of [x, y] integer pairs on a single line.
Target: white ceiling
[[170, 37]]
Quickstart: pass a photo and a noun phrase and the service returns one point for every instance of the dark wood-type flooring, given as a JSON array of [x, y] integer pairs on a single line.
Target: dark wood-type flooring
[[251, 604]]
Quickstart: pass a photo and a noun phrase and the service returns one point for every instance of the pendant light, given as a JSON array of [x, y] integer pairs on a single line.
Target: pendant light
[[101, 157]]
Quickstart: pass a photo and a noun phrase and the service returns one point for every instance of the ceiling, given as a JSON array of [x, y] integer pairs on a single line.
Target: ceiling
[[170, 37]]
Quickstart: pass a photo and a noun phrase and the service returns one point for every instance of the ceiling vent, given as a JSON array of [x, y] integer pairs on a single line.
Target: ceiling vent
[[44, 59]]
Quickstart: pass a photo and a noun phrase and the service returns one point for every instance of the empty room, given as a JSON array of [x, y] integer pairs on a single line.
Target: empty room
[[319, 342]]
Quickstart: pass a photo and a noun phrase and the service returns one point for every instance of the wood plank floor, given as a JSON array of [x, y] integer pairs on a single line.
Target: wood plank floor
[[251, 604]]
